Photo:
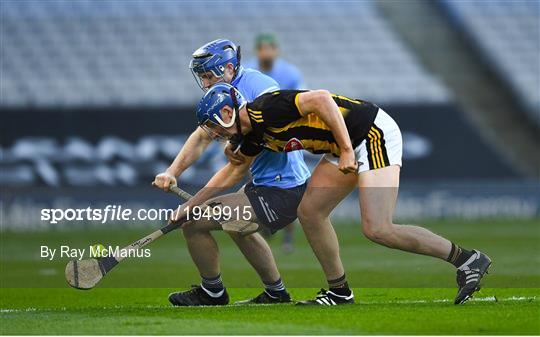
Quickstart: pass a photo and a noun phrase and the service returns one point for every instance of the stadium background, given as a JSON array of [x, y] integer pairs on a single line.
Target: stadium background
[[97, 98]]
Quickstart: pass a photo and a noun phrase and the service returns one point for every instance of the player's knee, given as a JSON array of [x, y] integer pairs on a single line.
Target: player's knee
[[190, 228], [187, 232], [378, 231], [304, 217], [302, 212], [307, 214]]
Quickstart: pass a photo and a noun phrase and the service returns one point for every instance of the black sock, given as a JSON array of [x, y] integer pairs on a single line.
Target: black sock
[[339, 286], [213, 284], [458, 256], [275, 289]]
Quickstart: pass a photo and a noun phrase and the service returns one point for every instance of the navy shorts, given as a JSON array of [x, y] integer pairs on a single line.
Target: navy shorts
[[275, 207]]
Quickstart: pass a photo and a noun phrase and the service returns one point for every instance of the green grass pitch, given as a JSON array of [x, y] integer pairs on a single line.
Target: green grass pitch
[[396, 292]]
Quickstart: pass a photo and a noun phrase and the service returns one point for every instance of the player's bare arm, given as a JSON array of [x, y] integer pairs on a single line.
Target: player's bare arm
[[320, 102], [194, 147], [225, 178]]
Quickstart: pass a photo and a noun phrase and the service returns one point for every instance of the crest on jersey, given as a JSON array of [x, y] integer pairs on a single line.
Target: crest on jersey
[[293, 145]]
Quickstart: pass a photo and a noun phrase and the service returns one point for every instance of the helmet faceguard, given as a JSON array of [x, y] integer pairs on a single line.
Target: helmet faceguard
[[213, 58], [215, 131], [209, 113], [200, 67]]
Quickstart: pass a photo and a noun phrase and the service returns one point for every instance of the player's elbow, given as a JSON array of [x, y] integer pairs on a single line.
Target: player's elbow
[[315, 100], [322, 93], [321, 97], [200, 137]]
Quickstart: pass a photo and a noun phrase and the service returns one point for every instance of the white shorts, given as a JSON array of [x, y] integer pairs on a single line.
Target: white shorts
[[382, 147]]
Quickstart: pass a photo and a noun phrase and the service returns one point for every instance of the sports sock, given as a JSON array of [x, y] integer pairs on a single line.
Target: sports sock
[[275, 289], [213, 286], [458, 256], [339, 286]]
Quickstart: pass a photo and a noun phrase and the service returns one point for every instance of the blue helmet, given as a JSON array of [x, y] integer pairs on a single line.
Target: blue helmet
[[213, 57], [209, 110]]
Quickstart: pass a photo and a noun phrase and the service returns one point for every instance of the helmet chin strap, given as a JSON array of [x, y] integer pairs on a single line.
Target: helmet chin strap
[[238, 58], [236, 140]]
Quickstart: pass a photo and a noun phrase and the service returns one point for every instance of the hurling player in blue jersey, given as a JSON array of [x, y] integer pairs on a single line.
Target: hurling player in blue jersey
[[269, 201]]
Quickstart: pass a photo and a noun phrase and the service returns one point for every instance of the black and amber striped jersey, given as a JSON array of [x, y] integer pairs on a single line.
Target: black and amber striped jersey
[[279, 126]]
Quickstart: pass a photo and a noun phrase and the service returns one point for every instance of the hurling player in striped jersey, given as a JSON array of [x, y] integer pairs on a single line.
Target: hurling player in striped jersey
[[362, 148]]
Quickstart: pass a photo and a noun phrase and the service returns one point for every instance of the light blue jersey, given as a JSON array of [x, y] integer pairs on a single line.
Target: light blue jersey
[[286, 74], [283, 170]]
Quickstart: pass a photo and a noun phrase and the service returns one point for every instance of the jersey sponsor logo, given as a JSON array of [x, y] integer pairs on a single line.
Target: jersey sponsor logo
[[293, 145]]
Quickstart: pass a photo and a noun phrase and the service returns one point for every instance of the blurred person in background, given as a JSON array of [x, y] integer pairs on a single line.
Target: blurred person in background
[[270, 63], [272, 196], [288, 77]]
